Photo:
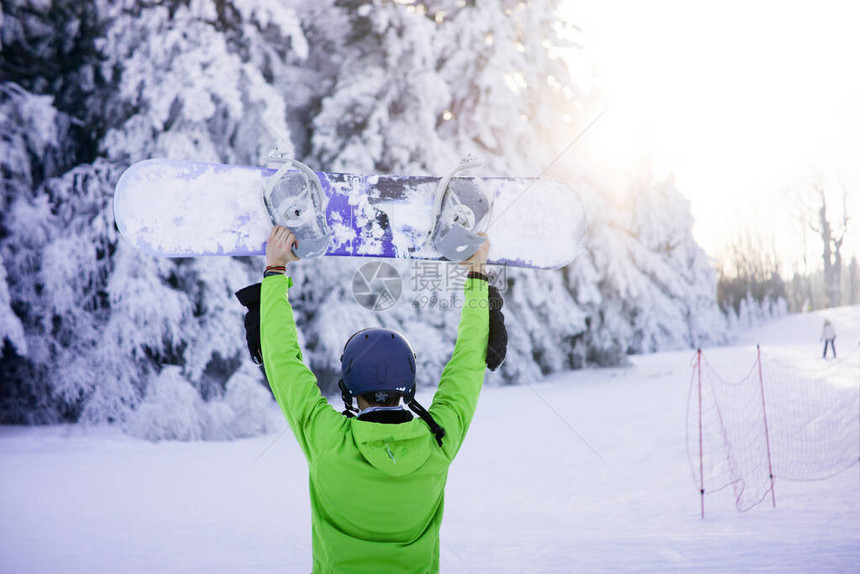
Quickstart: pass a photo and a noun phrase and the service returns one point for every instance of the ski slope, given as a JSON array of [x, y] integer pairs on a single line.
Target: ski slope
[[607, 489]]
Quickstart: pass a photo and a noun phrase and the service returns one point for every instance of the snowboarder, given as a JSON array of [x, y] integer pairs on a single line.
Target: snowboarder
[[828, 335], [377, 477]]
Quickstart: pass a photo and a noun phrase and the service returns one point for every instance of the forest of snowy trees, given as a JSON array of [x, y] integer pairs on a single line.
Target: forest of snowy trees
[[754, 280], [92, 330]]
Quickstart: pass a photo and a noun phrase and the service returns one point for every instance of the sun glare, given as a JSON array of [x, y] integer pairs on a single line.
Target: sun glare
[[740, 101]]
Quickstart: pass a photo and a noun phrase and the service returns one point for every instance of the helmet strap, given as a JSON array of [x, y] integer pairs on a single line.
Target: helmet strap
[[350, 409], [438, 431]]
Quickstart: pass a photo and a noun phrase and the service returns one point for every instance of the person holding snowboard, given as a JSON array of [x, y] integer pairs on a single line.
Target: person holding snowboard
[[828, 335], [377, 475]]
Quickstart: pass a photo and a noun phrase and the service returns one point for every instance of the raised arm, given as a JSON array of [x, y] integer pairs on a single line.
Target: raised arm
[[314, 422], [456, 399]]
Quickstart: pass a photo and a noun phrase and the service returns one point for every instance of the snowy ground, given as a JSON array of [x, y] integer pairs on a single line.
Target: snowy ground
[[525, 495]]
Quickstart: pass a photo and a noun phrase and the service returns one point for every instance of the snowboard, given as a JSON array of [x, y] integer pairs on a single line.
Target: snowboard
[[179, 208]]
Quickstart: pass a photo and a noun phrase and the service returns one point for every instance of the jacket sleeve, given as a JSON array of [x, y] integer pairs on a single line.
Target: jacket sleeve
[[456, 399], [315, 423]]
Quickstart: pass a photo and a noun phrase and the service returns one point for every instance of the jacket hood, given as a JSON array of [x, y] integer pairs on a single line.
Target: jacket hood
[[395, 449]]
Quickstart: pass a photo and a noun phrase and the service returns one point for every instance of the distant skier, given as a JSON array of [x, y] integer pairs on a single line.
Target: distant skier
[[377, 480], [828, 335]]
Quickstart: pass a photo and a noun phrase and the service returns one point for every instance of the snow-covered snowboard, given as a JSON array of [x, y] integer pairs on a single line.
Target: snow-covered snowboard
[[177, 208]]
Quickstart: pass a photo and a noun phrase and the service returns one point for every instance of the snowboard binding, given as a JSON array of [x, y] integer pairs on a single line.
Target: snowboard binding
[[294, 198], [461, 211]]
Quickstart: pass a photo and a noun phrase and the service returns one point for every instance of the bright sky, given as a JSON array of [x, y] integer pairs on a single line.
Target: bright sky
[[743, 101]]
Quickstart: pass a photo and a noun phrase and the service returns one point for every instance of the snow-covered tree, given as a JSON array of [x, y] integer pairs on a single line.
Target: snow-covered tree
[[643, 280], [93, 330], [381, 111], [128, 81], [415, 88]]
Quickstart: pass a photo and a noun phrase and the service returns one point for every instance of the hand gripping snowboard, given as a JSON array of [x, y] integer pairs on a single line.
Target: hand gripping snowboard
[[176, 208]]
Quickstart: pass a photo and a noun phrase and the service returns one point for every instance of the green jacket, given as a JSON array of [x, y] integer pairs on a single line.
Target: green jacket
[[377, 490]]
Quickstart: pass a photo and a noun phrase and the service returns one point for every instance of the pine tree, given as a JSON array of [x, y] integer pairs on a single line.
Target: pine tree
[[128, 81], [93, 330]]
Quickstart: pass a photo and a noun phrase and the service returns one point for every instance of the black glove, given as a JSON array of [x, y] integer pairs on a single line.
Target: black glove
[[497, 343], [250, 298]]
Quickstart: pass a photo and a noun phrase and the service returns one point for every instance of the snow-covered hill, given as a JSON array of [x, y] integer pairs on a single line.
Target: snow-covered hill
[[585, 472]]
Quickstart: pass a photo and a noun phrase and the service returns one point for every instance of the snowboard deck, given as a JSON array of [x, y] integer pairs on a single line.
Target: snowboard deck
[[178, 208]]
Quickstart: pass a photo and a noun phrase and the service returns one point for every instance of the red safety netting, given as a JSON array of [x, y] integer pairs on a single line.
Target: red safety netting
[[786, 419]]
